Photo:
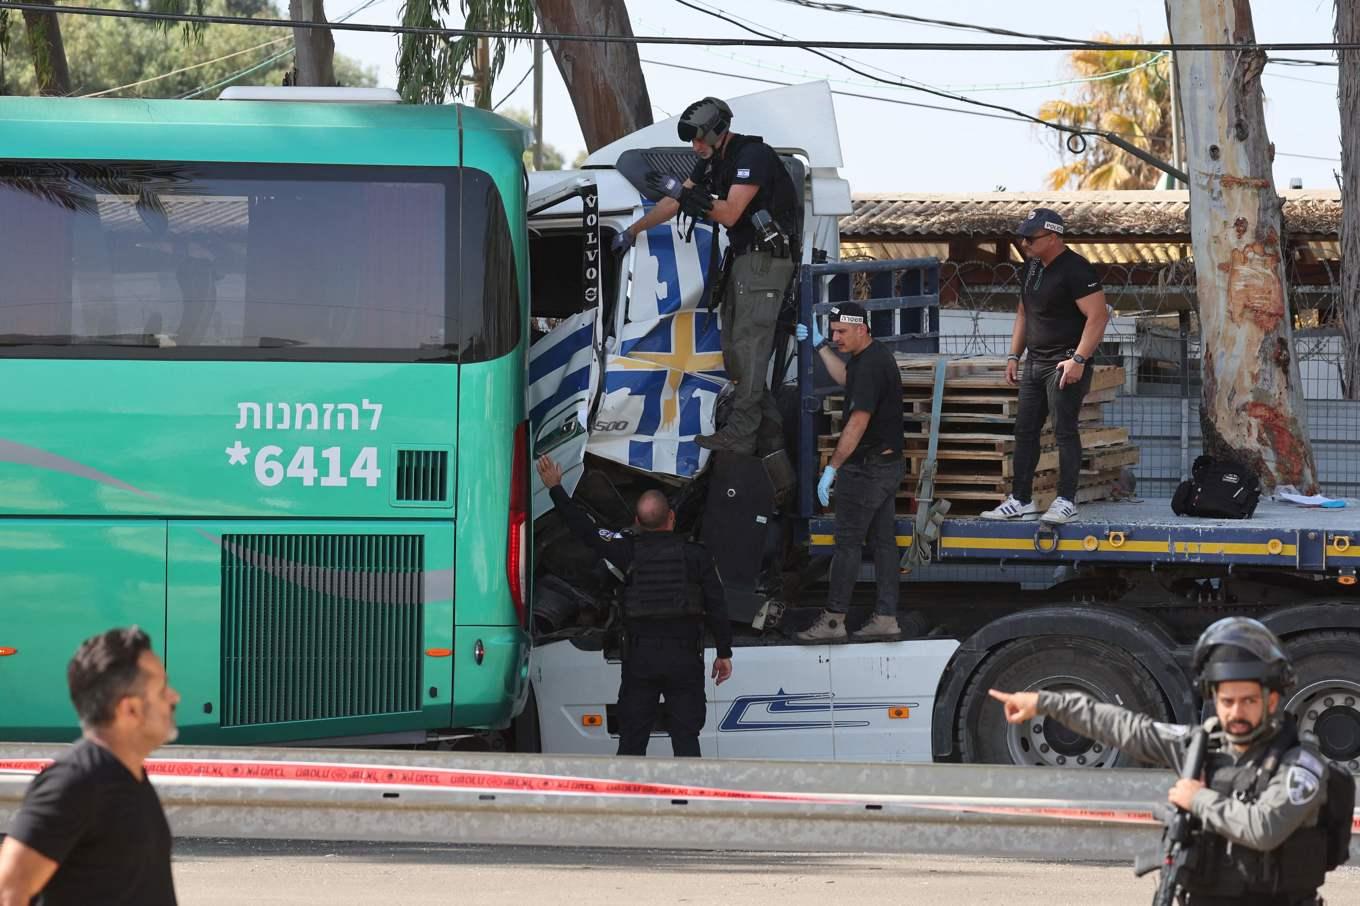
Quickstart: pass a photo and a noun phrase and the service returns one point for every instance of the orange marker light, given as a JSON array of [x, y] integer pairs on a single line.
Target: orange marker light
[[438, 652], [899, 713], [1344, 580], [6, 652], [592, 720]]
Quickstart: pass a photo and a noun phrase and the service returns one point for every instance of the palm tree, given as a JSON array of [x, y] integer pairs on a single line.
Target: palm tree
[[1127, 92]]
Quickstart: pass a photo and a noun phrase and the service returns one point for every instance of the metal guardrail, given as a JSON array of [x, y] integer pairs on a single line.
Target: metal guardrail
[[632, 802]]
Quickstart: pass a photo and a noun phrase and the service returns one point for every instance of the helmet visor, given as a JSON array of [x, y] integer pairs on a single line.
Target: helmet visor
[[687, 131]]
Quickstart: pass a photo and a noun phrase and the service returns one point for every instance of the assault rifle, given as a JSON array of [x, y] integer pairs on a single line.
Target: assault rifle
[[1178, 840]]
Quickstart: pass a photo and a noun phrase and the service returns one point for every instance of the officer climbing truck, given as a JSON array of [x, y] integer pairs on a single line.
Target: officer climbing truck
[[625, 370]]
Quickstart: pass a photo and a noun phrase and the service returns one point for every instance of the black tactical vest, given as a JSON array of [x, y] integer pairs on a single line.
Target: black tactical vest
[[658, 585], [779, 196], [1223, 870]]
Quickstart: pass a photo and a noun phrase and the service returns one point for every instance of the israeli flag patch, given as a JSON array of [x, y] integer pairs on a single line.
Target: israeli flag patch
[[744, 173], [1303, 784]]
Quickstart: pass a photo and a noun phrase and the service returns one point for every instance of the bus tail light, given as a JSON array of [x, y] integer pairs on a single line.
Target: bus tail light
[[517, 538]]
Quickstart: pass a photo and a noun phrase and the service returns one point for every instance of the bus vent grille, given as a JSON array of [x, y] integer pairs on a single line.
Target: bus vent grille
[[317, 627], [422, 476]]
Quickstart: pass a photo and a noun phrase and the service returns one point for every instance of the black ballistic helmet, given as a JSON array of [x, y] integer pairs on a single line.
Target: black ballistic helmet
[[706, 120], [1240, 648]]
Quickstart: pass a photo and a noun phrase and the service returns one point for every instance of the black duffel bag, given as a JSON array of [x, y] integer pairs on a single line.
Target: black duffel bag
[[1219, 489]]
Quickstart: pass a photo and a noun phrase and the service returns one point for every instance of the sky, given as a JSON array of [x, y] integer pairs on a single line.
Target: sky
[[889, 146]]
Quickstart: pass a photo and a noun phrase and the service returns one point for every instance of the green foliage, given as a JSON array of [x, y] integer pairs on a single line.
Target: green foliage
[[103, 53], [1129, 93], [432, 68]]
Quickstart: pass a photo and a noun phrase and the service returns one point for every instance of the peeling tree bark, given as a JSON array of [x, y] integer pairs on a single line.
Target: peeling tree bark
[[1252, 408], [1348, 312], [605, 81]]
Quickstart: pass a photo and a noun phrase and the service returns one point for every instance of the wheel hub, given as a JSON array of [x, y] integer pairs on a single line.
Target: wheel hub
[[1330, 710], [1045, 742]]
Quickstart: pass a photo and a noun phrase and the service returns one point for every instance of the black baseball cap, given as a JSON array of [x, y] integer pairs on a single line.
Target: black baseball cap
[[849, 313], [1041, 219]]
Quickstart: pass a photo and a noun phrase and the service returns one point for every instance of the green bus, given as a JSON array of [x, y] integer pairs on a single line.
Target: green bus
[[262, 392]]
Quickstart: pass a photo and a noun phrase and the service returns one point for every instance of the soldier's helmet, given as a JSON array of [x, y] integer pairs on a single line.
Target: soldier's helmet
[[1240, 648], [706, 120]]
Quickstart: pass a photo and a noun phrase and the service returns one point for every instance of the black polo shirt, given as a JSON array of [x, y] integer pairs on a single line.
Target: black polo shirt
[[874, 385], [1053, 322]]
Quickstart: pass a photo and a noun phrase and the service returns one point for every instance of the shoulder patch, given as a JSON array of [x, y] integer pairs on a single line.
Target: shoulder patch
[[1306, 759], [1171, 731], [1302, 783], [744, 173], [607, 535]]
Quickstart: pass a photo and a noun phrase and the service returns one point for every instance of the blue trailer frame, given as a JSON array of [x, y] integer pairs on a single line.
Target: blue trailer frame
[[906, 291]]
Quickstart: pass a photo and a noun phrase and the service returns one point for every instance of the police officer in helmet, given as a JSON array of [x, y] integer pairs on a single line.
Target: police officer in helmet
[[1265, 839], [671, 592], [758, 204]]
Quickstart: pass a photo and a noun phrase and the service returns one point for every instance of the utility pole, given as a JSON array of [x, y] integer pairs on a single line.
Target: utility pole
[[1177, 158], [1252, 405], [538, 104]]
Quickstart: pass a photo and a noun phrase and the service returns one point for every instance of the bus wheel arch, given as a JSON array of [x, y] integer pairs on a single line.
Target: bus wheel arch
[[1101, 632]]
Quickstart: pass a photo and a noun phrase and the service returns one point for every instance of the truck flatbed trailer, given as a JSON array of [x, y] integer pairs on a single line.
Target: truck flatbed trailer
[[1280, 535]]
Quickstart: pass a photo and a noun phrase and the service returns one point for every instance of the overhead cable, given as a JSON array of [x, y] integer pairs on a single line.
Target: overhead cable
[[943, 46]]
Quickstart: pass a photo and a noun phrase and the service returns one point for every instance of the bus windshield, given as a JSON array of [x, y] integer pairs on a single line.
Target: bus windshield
[[273, 261]]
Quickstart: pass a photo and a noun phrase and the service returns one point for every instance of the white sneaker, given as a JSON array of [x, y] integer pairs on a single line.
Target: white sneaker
[[1010, 508], [1060, 510]]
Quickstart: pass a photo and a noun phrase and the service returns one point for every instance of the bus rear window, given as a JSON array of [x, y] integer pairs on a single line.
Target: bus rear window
[[237, 260]]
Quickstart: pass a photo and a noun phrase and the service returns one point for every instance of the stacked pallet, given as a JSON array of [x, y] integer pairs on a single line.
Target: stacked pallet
[[976, 448]]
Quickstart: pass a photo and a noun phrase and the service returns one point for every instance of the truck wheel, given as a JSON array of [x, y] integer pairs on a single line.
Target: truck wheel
[[1326, 698], [1058, 664]]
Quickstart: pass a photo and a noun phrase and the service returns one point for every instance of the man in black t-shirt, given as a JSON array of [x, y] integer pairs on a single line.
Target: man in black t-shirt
[[1060, 320], [751, 184], [867, 469], [91, 828]]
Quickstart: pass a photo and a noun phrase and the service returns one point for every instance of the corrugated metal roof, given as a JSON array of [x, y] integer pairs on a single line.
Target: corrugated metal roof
[[1093, 215]]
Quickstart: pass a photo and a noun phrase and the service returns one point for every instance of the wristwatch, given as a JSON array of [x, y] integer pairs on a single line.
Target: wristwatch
[[1079, 358]]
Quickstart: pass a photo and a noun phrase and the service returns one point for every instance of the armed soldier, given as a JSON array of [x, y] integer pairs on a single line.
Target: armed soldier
[[758, 204], [1268, 837], [672, 591]]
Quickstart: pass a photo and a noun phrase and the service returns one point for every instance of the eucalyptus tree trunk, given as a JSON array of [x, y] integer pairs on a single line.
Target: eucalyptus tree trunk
[[1252, 407], [605, 81], [1348, 90], [50, 71], [314, 63]]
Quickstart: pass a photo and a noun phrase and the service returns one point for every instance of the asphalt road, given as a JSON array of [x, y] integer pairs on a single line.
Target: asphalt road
[[228, 873]]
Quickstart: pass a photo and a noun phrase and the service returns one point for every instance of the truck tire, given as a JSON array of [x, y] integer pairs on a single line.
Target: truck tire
[[527, 738], [1326, 697], [1060, 664]]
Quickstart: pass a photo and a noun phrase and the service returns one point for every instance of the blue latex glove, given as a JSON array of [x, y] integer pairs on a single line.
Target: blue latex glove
[[801, 332], [622, 242], [824, 485], [665, 184]]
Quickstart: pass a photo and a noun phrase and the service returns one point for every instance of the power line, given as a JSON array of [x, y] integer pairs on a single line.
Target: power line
[[528, 72], [166, 75], [151, 16], [921, 20]]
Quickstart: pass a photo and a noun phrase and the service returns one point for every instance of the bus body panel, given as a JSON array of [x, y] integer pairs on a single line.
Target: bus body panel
[[252, 564], [65, 580], [171, 439]]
